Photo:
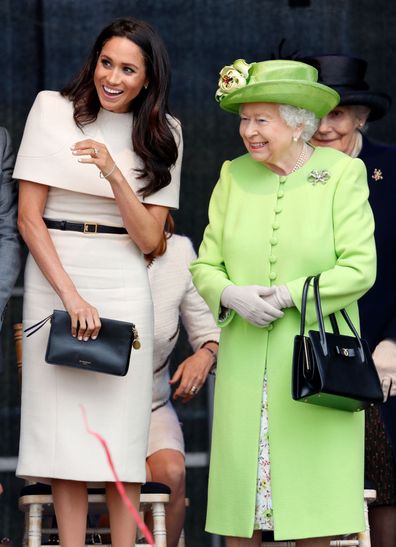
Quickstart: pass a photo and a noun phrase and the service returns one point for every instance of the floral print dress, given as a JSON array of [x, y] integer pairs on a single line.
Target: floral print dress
[[264, 516]]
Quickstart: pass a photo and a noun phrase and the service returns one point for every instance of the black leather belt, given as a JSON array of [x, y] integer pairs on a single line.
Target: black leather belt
[[84, 227]]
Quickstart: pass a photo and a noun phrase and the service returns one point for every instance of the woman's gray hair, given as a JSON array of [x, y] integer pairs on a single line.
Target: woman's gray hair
[[295, 117]]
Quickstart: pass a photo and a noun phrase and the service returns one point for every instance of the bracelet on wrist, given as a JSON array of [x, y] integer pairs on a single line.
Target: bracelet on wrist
[[103, 176], [213, 354]]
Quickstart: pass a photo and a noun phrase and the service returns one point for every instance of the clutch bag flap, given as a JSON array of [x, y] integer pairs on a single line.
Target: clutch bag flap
[[109, 353]]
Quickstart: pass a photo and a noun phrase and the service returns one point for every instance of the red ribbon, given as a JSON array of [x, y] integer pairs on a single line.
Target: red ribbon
[[120, 487]]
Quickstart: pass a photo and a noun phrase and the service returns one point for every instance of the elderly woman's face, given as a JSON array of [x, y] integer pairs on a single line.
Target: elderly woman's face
[[338, 129], [120, 74], [264, 133]]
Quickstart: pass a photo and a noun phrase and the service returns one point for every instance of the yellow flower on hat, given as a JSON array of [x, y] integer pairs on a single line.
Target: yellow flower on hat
[[232, 77]]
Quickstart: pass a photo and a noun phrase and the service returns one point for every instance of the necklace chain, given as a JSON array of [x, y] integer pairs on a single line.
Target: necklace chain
[[301, 158]]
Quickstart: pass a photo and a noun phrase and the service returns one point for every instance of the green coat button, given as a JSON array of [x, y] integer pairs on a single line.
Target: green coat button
[[270, 327], [281, 193], [274, 240], [273, 276], [275, 226], [278, 210], [272, 259]]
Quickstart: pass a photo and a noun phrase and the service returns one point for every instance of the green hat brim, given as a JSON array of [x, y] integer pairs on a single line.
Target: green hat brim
[[317, 98]]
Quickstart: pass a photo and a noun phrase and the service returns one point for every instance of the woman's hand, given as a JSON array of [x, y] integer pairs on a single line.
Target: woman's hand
[[253, 303], [192, 374], [144, 222], [96, 153], [384, 357], [85, 321]]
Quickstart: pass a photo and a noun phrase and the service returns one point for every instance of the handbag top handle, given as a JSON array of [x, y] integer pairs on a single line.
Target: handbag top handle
[[319, 316], [304, 304]]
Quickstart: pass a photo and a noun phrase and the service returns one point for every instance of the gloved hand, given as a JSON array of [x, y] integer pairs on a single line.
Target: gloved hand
[[251, 303], [281, 298], [385, 361]]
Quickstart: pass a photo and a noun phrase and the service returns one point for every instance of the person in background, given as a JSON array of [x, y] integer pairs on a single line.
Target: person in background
[[10, 248], [278, 214], [344, 129], [175, 298], [99, 166]]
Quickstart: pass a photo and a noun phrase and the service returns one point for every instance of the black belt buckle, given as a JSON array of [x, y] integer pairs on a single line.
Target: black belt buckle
[[90, 228]]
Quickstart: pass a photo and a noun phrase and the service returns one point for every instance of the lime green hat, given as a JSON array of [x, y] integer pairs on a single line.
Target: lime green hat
[[280, 81]]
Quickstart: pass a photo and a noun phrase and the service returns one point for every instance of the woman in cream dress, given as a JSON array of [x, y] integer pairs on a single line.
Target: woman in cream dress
[[89, 156], [176, 301]]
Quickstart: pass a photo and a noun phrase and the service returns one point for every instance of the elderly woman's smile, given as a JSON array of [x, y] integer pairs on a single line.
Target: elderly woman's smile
[[267, 137]]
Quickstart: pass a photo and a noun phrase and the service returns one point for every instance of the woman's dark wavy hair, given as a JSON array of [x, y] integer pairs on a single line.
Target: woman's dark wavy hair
[[152, 138]]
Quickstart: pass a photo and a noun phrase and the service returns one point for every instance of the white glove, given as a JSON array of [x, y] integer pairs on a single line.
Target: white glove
[[251, 303], [281, 298], [385, 361]]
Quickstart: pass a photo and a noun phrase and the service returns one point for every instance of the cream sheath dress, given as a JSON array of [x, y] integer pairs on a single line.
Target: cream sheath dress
[[110, 273]]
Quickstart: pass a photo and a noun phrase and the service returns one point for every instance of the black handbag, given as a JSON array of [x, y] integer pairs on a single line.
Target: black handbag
[[332, 369], [109, 353]]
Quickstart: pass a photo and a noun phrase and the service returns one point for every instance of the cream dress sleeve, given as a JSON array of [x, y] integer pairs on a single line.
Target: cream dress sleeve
[[45, 153]]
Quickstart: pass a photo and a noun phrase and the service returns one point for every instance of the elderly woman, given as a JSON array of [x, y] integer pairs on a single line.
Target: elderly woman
[[279, 213], [342, 129]]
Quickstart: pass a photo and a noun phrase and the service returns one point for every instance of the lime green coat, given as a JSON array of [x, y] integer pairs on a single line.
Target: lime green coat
[[265, 229]]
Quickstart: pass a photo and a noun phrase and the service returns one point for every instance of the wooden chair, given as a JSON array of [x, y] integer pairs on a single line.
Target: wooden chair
[[36, 499], [361, 539], [36, 502]]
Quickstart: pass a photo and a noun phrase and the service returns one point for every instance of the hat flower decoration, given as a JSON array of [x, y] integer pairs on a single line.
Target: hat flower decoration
[[278, 81], [232, 77]]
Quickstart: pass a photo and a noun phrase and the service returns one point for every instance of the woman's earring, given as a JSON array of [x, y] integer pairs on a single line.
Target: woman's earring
[[145, 86], [295, 139]]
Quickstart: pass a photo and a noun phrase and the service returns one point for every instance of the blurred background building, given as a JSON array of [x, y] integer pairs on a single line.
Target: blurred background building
[[44, 42]]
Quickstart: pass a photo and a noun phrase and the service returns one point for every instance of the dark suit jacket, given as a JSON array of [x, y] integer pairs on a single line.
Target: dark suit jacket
[[378, 307], [10, 258]]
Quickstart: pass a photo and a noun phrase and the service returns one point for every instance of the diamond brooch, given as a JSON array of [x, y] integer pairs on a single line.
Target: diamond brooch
[[316, 176]]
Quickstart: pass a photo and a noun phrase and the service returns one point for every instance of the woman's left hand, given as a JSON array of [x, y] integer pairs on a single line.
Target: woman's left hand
[[192, 374], [96, 153]]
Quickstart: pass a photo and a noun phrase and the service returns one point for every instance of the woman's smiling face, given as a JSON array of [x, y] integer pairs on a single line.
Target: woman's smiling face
[[339, 129], [265, 134], [120, 74]]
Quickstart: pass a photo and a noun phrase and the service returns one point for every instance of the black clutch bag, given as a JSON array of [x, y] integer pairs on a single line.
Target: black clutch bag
[[109, 353], [331, 369]]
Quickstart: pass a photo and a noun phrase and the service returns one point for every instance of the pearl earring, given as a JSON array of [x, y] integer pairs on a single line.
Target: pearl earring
[[295, 139]]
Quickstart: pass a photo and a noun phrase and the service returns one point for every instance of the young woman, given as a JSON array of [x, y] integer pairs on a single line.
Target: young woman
[[99, 167]]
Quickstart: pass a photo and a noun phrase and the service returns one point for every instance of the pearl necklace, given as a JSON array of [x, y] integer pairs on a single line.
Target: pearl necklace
[[301, 158]]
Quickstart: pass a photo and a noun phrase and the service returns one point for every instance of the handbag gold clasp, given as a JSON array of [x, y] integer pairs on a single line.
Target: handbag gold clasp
[[136, 342]]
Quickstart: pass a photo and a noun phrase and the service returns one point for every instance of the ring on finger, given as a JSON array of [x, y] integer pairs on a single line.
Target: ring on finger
[[95, 152], [194, 390]]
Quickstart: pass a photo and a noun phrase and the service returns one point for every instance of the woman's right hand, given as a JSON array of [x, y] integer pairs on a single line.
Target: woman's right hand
[[85, 321], [249, 301]]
